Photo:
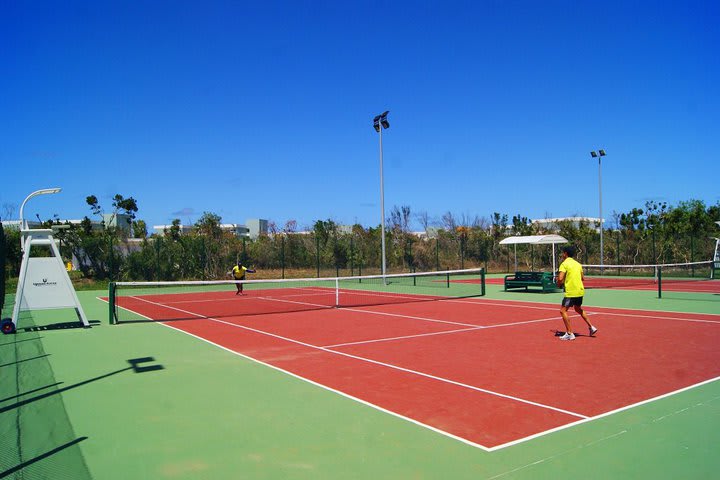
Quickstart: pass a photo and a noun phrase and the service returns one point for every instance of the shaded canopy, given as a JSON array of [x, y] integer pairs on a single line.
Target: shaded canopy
[[534, 240]]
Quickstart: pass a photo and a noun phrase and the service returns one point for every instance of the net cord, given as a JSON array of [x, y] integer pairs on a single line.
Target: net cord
[[297, 280]]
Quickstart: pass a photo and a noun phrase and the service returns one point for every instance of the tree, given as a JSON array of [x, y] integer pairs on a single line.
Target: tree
[[521, 225], [290, 226], [209, 225], [424, 220], [400, 218], [140, 229], [127, 206], [324, 229]]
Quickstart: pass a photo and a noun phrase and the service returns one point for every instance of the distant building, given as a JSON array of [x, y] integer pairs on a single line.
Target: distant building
[[121, 221], [257, 227], [15, 224], [165, 229], [252, 230], [553, 224], [95, 225], [236, 229]]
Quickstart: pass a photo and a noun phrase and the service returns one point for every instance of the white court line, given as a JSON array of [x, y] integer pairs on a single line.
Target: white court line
[[369, 360], [606, 414], [477, 327], [561, 454], [404, 337], [584, 419], [600, 312]]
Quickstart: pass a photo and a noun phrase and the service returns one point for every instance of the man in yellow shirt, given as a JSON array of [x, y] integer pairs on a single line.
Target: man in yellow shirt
[[238, 273], [571, 278]]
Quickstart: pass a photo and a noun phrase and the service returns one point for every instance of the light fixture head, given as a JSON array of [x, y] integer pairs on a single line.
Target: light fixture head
[[381, 120], [593, 154], [601, 152]]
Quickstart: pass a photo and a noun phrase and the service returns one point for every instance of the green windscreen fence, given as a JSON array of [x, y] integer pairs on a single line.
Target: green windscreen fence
[[3, 274]]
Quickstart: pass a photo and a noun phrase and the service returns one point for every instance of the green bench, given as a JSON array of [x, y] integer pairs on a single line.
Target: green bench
[[544, 280]]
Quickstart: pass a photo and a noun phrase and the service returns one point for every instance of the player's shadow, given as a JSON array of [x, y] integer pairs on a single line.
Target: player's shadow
[[560, 333]]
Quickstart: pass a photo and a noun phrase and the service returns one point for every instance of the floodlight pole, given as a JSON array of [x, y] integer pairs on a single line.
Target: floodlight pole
[[382, 205], [379, 123], [599, 155]]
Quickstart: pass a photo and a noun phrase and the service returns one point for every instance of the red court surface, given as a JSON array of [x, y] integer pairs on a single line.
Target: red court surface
[[490, 373]]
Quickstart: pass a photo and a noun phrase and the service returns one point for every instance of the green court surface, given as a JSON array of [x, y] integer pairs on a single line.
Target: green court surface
[[144, 401]]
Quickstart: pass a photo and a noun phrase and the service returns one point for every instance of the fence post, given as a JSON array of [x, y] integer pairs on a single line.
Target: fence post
[[244, 254], [532, 257], [317, 254], [282, 255], [352, 256], [157, 257], [437, 254], [692, 253], [110, 262]]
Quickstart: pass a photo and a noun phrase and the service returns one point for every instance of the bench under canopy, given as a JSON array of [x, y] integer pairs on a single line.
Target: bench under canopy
[[534, 240]]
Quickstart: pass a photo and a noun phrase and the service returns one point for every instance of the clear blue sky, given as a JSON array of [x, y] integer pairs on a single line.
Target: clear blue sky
[[264, 109]]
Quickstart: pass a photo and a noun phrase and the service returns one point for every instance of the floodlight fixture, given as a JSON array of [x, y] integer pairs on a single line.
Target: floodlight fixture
[[601, 152], [593, 154], [383, 120]]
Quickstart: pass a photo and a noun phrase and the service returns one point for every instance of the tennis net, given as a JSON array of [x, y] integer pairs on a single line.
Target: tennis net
[[690, 276], [178, 300]]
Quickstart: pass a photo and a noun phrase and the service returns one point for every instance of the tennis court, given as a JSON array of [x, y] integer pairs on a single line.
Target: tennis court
[[488, 364], [410, 380]]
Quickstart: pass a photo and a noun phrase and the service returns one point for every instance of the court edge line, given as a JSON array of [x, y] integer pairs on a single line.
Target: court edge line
[[560, 454], [416, 422], [605, 414], [550, 306], [376, 362]]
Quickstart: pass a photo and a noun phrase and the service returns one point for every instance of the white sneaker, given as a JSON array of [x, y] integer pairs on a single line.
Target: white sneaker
[[593, 331], [568, 336]]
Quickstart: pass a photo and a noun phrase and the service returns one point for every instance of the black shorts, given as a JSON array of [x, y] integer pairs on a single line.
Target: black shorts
[[568, 302]]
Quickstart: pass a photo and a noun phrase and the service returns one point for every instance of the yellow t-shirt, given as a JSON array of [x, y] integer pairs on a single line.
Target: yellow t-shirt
[[239, 272], [573, 278]]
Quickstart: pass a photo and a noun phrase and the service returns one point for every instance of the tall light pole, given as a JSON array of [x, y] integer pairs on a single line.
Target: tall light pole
[[380, 122], [599, 154]]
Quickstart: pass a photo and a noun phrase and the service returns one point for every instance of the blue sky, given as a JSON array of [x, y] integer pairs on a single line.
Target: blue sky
[[264, 109]]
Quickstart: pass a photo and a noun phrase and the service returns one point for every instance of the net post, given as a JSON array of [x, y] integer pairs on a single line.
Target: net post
[[337, 292], [447, 277], [112, 317], [482, 282], [659, 281]]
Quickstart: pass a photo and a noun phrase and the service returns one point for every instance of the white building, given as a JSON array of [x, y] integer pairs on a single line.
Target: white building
[[552, 224], [253, 229], [257, 227]]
